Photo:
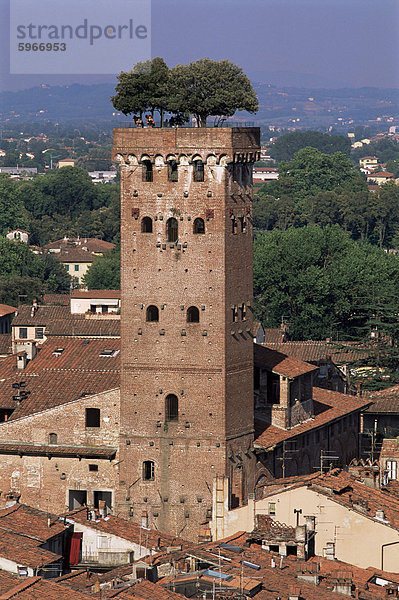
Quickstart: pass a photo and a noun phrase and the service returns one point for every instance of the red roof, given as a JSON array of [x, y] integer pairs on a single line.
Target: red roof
[[96, 294], [280, 363], [328, 406], [385, 174], [5, 309]]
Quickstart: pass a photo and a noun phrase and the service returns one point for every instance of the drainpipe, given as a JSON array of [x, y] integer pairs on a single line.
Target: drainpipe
[[382, 552]]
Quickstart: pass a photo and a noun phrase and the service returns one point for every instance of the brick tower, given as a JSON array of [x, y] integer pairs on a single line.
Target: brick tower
[[187, 313]]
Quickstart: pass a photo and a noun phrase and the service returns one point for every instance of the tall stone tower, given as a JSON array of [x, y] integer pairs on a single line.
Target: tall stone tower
[[187, 313]]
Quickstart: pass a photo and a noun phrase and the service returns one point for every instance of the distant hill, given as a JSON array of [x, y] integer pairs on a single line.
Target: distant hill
[[313, 107]]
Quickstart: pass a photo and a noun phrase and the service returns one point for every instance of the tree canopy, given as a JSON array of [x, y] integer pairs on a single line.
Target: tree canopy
[[12, 210], [202, 88], [28, 274], [105, 272], [324, 283], [288, 144], [207, 87]]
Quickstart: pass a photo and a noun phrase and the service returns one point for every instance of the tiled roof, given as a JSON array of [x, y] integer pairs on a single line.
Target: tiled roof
[[146, 590], [22, 550], [22, 519], [58, 378], [328, 406], [92, 244], [280, 582], [380, 174], [59, 322], [75, 326], [41, 318], [127, 530], [57, 299], [5, 309], [74, 255], [315, 350], [5, 343], [273, 335], [384, 401], [35, 588], [96, 294], [280, 363]]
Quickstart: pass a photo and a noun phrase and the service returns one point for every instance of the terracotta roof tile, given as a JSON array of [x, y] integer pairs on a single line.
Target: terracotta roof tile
[[20, 549], [22, 519], [280, 363], [92, 244], [315, 350], [5, 309], [5, 343], [58, 378], [384, 401], [35, 588], [328, 406], [127, 530], [96, 294], [57, 299]]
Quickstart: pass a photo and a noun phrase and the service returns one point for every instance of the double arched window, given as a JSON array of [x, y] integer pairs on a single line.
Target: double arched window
[[171, 408], [152, 314]]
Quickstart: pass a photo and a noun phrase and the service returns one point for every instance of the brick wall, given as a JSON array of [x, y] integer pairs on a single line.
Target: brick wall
[[208, 365], [45, 481]]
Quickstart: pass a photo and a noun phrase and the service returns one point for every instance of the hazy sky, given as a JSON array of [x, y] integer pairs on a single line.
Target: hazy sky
[[327, 43]]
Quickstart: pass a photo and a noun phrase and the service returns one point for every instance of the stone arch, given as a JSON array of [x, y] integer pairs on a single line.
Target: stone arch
[[223, 160], [183, 160], [211, 160], [132, 160], [145, 157], [159, 160]]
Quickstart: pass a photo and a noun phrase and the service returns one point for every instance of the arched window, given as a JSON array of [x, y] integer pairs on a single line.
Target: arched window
[[173, 174], [198, 170], [52, 438], [148, 470], [199, 226], [192, 314], [146, 225], [171, 230], [152, 314], [147, 170], [171, 408]]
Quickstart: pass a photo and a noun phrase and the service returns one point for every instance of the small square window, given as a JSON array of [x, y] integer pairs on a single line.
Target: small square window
[[92, 417], [39, 333], [23, 333], [76, 267], [93, 468], [272, 509], [67, 267]]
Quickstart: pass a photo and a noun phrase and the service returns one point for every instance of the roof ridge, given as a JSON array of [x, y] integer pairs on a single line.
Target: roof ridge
[[20, 587]]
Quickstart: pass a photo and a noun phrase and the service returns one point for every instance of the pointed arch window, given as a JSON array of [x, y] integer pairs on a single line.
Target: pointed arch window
[[171, 408], [171, 230], [199, 225]]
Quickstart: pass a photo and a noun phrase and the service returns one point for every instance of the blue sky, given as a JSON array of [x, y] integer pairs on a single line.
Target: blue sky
[[326, 43]]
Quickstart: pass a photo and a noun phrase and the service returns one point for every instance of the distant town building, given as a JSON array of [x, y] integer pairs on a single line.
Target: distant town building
[[18, 235]]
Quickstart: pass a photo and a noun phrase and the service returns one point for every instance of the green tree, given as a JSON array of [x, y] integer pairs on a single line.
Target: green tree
[[105, 272], [12, 212], [385, 210], [311, 172], [287, 145], [144, 88], [207, 87], [321, 280], [17, 290]]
